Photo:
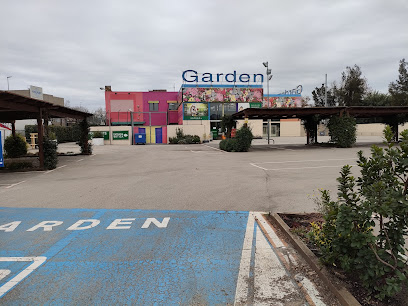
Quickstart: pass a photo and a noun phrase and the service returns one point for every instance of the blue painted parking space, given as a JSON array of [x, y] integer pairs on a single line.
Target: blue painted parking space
[[91, 256]]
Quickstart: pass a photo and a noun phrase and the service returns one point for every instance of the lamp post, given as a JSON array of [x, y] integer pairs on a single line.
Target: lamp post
[[110, 117], [268, 77], [8, 85]]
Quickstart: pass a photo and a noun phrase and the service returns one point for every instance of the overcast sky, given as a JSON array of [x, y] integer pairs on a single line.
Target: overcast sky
[[72, 48]]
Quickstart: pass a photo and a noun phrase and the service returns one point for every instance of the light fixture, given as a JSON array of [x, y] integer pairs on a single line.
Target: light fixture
[[265, 64]]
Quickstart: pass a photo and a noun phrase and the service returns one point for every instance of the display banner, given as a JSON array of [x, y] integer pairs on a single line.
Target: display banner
[[1, 152], [120, 135], [105, 134], [195, 111]]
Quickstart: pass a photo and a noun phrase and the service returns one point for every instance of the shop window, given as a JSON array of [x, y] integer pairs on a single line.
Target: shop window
[[215, 110], [153, 107], [172, 106], [230, 108]]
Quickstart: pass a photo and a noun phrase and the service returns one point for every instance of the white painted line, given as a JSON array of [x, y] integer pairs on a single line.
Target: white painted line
[[215, 148], [241, 292], [306, 160], [252, 164], [300, 168], [55, 169], [80, 160], [37, 261], [278, 243], [12, 185], [4, 273], [312, 292], [275, 284]]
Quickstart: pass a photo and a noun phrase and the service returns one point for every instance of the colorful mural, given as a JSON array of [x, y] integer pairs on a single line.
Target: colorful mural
[[195, 111], [233, 94], [282, 102]]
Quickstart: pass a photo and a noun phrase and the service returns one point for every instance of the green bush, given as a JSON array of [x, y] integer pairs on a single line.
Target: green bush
[[183, 139], [229, 145], [173, 140], [196, 139], [83, 142], [342, 131], [241, 142], [15, 146], [62, 133], [50, 154], [378, 198]]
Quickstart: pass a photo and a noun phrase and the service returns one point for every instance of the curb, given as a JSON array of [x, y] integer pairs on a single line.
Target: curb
[[344, 296]]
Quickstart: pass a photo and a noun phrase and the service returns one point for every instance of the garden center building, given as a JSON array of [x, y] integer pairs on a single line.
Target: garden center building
[[197, 109]]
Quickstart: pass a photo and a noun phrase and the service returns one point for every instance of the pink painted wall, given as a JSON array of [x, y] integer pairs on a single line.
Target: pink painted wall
[[164, 134], [162, 97], [173, 117], [124, 116]]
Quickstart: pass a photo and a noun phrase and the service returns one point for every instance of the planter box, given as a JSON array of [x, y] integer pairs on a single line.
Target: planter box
[[97, 141]]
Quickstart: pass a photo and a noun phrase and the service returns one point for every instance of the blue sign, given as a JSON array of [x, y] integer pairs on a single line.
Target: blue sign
[[1, 152], [103, 256], [191, 76]]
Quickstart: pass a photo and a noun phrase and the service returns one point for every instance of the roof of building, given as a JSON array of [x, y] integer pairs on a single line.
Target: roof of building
[[17, 107], [324, 112]]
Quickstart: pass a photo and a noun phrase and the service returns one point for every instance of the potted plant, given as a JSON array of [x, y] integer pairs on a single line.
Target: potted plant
[[97, 138]]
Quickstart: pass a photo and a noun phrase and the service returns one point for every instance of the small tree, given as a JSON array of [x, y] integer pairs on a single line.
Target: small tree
[[378, 198], [86, 147], [50, 153], [399, 89], [227, 124], [342, 131], [353, 87]]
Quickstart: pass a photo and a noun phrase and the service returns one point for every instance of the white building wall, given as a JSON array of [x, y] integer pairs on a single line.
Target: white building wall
[[255, 125], [202, 130], [115, 128]]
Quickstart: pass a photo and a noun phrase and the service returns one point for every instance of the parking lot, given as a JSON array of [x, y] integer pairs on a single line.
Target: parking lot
[[163, 223], [280, 177]]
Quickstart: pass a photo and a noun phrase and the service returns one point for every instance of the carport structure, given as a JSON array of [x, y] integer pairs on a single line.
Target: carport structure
[[385, 114], [17, 107]]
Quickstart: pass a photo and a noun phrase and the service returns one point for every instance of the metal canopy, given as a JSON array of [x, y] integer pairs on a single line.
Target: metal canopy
[[17, 107], [324, 112]]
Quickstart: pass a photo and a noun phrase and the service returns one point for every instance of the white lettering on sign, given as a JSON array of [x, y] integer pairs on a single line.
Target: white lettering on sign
[[85, 224], [9, 227], [114, 224], [47, 225], [162, 224], [77, 225]]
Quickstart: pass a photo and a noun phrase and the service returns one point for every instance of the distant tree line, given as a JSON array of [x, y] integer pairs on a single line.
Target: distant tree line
[[353, 90]]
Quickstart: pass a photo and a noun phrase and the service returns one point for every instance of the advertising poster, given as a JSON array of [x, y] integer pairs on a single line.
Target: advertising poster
[[195, 111], [1, 152], [242, 106]]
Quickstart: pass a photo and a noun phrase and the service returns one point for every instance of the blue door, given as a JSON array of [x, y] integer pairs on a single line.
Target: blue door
[[142, 130], [159, 137]]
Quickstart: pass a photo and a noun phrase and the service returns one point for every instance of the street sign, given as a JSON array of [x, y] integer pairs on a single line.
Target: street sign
[[120, 135]]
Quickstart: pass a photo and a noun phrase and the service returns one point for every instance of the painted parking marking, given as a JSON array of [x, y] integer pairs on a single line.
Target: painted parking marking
[[12, 185], [280, 165], [101, 256], [49, 171], [36, 262]]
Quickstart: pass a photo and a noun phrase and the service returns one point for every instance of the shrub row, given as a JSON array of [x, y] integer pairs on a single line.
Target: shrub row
[[184, 139], [62, 133]]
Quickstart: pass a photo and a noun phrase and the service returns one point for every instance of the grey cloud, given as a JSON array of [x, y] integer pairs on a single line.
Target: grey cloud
[[71, 48]]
